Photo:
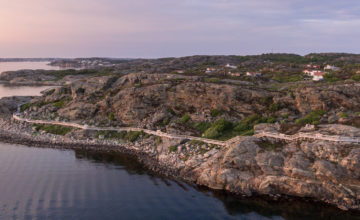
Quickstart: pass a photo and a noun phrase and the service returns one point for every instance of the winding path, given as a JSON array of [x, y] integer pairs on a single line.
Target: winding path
[[308, 136], [299, 136], [86, 127]]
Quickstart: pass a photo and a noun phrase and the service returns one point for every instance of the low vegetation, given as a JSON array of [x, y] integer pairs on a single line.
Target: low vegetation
[[53, 129], [224, 130], [123, 135], [311, 118]]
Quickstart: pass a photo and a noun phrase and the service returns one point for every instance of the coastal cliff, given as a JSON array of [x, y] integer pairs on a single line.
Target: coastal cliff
[[318, 170]]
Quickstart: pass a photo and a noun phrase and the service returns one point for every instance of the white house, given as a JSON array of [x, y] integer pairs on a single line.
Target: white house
[[330, 67], [234, 74], [230, 66], [313, 72], [210, 70], [180, 71], [307, 72], [318, 75]]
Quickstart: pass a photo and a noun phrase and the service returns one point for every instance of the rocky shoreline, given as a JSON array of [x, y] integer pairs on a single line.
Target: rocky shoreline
[[243, 169]]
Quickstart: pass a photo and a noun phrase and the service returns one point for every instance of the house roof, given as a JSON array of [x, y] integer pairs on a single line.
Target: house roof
[[318, 73]]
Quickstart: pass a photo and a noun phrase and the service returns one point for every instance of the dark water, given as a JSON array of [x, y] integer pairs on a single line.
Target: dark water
[[38, 183]]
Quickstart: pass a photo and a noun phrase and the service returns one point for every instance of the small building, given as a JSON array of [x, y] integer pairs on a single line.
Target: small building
[[180, 71], [230, 66], [318, 76], [253, 74], [307, 72], [210, 70], [314, 72], [330, 67], [236, 74]]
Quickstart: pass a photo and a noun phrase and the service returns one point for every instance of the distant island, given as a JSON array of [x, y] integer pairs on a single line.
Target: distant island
[[275, 125]]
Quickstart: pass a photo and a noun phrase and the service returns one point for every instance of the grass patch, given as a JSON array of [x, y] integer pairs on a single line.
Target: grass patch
[[311, 118], [330, 77], [172, 148], [123, 135], [201, 126], [111, 116], [53, 129], [217, 129], [215, 113], [61, 103], [185, 118], [25, 107], [133, 135], [344, 115], [165, 121]]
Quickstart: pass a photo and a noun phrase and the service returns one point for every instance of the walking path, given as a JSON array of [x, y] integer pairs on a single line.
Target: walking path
[[307, 136], [86, 127], [299, 136]]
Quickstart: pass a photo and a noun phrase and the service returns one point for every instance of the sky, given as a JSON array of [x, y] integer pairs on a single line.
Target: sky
[[163, 28]]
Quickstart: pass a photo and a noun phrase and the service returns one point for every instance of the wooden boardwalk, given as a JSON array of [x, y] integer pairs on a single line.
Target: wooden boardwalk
[[279, 136], [86, 127], [307, 136]]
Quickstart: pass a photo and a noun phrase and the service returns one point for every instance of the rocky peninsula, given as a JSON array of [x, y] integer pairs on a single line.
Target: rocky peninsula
[[231, 110]]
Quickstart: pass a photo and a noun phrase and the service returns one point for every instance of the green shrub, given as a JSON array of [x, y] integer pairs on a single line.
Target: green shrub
[[356, 77], [111, 116], [165, 121], [274, 107], [215, 112], [172, 148], [133, 135], [330, 77], [61, 103], [171, 111], [247, 123], [311, 118], [53, 129], [344, 115], [217, 129], [212, 133], [286, 115], [212, 80], [201, 126], [185, 118], [25, 107]]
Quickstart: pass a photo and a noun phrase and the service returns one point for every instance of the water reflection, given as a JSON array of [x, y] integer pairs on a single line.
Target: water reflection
[[251, 208]]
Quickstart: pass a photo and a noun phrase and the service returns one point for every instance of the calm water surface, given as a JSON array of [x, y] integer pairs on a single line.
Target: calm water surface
[[12, 66], [8, 91], [37, 183]]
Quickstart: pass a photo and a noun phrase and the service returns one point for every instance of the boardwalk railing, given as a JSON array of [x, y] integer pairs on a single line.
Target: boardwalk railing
[[305, 136], [86, 127], [299, 136]]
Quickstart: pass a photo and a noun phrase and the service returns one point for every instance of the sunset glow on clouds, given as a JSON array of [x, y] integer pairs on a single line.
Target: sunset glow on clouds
[[158, 28]]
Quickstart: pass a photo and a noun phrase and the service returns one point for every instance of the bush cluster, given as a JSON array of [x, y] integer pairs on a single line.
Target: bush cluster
[[311, 118], [53, 129]]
